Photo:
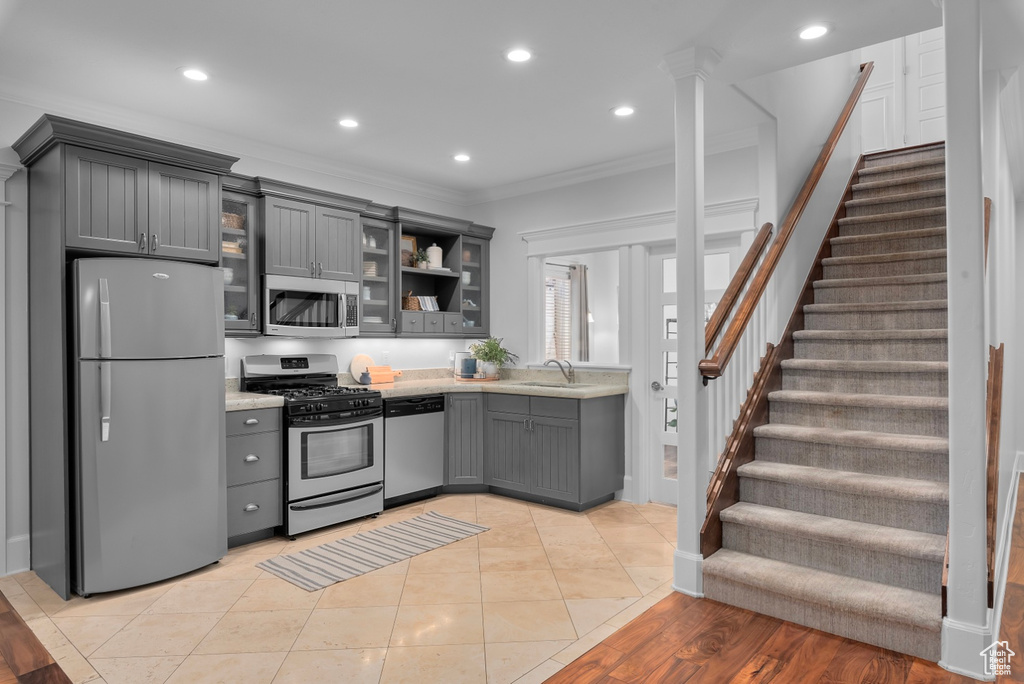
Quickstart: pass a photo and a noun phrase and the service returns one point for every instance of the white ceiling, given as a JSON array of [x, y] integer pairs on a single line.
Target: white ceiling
[[425, 78]]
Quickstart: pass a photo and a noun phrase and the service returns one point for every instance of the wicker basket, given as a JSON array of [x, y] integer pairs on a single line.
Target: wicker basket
[[234, 221], [410, 303]]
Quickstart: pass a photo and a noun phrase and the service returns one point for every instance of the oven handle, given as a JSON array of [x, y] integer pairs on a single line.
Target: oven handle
[[360, 493]]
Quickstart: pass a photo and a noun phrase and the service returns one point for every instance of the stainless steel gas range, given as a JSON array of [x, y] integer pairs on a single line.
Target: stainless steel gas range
[[334, 439]]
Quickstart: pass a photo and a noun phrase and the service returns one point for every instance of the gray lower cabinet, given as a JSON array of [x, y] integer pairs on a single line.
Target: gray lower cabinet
[[253, 471], [464, 439], [564, 451]]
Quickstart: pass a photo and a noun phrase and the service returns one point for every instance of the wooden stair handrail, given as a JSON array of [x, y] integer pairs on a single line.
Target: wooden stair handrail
[[714, 366], [732, 293], [993, 419]]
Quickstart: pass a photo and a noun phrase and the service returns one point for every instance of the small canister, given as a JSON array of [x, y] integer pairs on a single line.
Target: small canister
[[434, 256]]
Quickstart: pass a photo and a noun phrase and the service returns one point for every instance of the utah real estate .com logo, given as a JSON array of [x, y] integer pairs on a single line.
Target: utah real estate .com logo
[[997, 658]]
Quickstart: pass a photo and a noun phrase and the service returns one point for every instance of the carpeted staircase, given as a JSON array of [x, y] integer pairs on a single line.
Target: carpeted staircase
[[841, 524]]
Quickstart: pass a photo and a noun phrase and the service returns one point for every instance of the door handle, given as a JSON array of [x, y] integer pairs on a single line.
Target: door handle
[[154, 242], [105, 345], [319, 269], [656, 386], [105, 401], [312, 271], [251, 458], [142, 242], [251, 508], [252, 421]]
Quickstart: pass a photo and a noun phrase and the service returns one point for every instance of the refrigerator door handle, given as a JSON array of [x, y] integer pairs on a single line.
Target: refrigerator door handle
[[104, 320], [105, 401]]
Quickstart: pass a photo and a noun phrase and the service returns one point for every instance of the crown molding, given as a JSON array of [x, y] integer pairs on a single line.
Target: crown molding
[[251, 151], [8, 170], [695, 61], [576, 176]]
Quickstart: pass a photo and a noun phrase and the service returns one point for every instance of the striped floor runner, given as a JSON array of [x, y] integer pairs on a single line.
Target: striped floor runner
[[342, 559]]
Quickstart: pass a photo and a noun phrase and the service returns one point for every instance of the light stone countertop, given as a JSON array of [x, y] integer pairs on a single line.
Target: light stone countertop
[[589, 385]]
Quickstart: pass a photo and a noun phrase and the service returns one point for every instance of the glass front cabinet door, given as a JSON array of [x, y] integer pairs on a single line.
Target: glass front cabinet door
[[474, 287], [377, 286], [238, 260]]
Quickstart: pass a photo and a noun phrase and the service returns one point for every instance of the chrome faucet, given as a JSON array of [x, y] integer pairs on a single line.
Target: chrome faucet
[[570, 376]]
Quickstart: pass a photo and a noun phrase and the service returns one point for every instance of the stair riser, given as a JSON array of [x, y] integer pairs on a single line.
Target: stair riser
[[881, 206], [899, 637], [867, 564], [890, 225], [885, 268], [897, 421], [937, 154], [855, 382], [899, 188], [907, 292], [912, 319], [886, 462], [935, 349], [876, 246], [910, 515]]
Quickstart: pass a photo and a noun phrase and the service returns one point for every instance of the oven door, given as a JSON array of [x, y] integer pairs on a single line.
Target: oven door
[[329, 458], [306, 307]]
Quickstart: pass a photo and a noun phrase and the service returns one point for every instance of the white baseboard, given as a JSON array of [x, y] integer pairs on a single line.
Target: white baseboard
[[627, 493], [688, 575], [18, 554], [962, 645]]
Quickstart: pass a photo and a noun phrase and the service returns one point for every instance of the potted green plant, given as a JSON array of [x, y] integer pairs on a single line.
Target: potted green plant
[[492, 355], [420, 258]]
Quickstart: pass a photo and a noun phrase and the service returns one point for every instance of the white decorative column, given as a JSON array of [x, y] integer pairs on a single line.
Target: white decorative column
[[690, 69], [967, 629], [6, 171]]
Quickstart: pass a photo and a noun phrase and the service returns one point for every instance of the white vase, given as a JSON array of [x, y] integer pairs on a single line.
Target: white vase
[[490, 369]]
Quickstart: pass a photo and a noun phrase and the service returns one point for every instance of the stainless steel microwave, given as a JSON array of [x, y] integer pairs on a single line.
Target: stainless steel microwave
[[310, 307]]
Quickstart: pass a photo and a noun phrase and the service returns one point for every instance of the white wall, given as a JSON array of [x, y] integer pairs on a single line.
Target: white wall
[[730, 175]]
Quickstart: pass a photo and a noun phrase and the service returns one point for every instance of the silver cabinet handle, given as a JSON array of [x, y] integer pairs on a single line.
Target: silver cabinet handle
[[251, 507], [252, 319], [319, 269], [451, 400], [105, 401], [434, 322], [312, 271], [394, 324], [252, 421], [656, 386], [154, 242], [526, 423], [142, 242], [251, 458]]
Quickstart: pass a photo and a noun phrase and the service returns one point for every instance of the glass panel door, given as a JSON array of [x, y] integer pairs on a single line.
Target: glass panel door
[[236, 228], [377, 292], [474, 287], [664, 393]]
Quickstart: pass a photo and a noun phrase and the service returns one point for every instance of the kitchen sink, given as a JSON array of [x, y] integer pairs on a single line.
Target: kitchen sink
[[537, 383]]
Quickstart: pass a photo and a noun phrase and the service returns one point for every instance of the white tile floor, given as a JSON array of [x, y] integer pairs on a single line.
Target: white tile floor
[[514, 604]]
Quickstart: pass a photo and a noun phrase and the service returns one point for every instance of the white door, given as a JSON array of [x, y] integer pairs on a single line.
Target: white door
[[925, 60], [664, 392]]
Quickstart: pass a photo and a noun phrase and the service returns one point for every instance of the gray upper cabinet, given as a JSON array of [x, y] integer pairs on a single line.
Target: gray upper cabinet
[[106, 201], [288, 243], [464, 439], [337, 244], [184, 207], [378, 297], [117, 203]]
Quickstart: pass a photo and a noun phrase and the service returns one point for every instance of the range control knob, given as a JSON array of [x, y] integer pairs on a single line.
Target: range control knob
[[321, 406], [308, 408]]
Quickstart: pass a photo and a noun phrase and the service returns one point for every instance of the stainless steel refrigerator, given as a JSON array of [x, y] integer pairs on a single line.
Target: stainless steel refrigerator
[[148, 468]]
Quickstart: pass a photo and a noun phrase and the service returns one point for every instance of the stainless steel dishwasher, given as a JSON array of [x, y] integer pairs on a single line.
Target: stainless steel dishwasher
[[413, 447]]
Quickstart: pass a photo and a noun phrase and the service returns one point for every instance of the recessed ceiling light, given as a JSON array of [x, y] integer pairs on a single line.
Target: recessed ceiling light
[[813, 31], [348, 123], [194, 74], [461, 157], [624, 110], [518, 55]]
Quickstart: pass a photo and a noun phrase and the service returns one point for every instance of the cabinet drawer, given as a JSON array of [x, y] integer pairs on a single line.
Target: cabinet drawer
[[412, 321], [433, 322], [508, 403], [258, 420], [254, 457], [453, 324], [554, 408], [254, 507]]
